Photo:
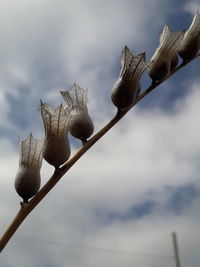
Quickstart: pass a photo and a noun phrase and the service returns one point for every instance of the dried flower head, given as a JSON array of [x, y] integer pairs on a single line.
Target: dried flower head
[[27, 181], [81, 125], [56, 148], [165, 58], [127, 86], [190, 44]]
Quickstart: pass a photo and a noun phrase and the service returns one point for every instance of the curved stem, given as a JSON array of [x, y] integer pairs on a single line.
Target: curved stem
[[26, 208]]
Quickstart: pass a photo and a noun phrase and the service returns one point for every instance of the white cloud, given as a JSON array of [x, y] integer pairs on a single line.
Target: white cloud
[[50, 44], [47, 45], [119, 172]]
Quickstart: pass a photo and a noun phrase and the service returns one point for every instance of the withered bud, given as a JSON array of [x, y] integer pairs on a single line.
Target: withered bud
[[81, 125], [165, 58], [27, 180], [56, 148], [190, 45], [127, 86]]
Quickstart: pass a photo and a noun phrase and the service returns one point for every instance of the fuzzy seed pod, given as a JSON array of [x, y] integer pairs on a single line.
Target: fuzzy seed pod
[[81, 125], [56, 148], [27, 180], [165, 58], [190, 45], [127, 86]]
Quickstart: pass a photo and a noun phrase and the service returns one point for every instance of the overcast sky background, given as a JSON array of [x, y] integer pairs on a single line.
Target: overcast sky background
[[119, 204]]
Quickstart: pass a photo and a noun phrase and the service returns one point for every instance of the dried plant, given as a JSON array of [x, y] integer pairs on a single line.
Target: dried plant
[[56, 148], [81, 125], [74, 117], [165, 58], [127, 86], [27, 181], [190, 43]]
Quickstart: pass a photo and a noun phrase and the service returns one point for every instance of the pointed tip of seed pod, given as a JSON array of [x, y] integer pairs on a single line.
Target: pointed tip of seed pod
[[75, 85], [125, 50], [143, 55], [166, 27]]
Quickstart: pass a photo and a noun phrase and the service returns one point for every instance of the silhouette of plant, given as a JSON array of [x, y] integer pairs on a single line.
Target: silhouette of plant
[[74, 117]]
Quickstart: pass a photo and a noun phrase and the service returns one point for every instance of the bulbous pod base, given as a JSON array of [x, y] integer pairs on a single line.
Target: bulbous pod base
[[159, 70], [56, 151], [27, 182], [81, 126], [124, 94], [189, 49]]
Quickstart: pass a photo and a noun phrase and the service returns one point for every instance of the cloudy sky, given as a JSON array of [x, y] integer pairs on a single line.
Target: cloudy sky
[[119, 204]]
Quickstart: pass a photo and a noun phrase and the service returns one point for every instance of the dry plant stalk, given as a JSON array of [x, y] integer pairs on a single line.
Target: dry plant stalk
[[56, 149]]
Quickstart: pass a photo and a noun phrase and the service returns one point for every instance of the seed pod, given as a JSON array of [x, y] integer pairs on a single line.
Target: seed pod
[[190, 45], [165, 58], [56, 148], [81, 125], [127, 86], [174, 62], [27, 180]]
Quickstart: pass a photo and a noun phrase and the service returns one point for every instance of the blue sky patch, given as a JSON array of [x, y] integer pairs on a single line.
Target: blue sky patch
[[180, 198], [135, 212]]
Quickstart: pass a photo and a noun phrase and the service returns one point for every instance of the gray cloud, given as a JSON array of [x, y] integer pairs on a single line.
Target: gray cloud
[[140, 167], [46, 46]]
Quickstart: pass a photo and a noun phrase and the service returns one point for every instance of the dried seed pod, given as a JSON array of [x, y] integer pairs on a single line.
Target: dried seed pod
[[81, 125], [127, 86], [56, 148], [27, 180], [174, 62], [165, 58], [190, 44]]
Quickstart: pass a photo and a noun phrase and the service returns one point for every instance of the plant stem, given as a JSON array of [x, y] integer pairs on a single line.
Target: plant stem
[[26, 208]]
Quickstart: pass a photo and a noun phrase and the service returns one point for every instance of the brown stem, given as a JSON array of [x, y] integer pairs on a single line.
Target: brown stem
[[26, 208]]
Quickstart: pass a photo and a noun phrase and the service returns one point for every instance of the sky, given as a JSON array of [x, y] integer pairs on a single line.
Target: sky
[[119, 204]]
